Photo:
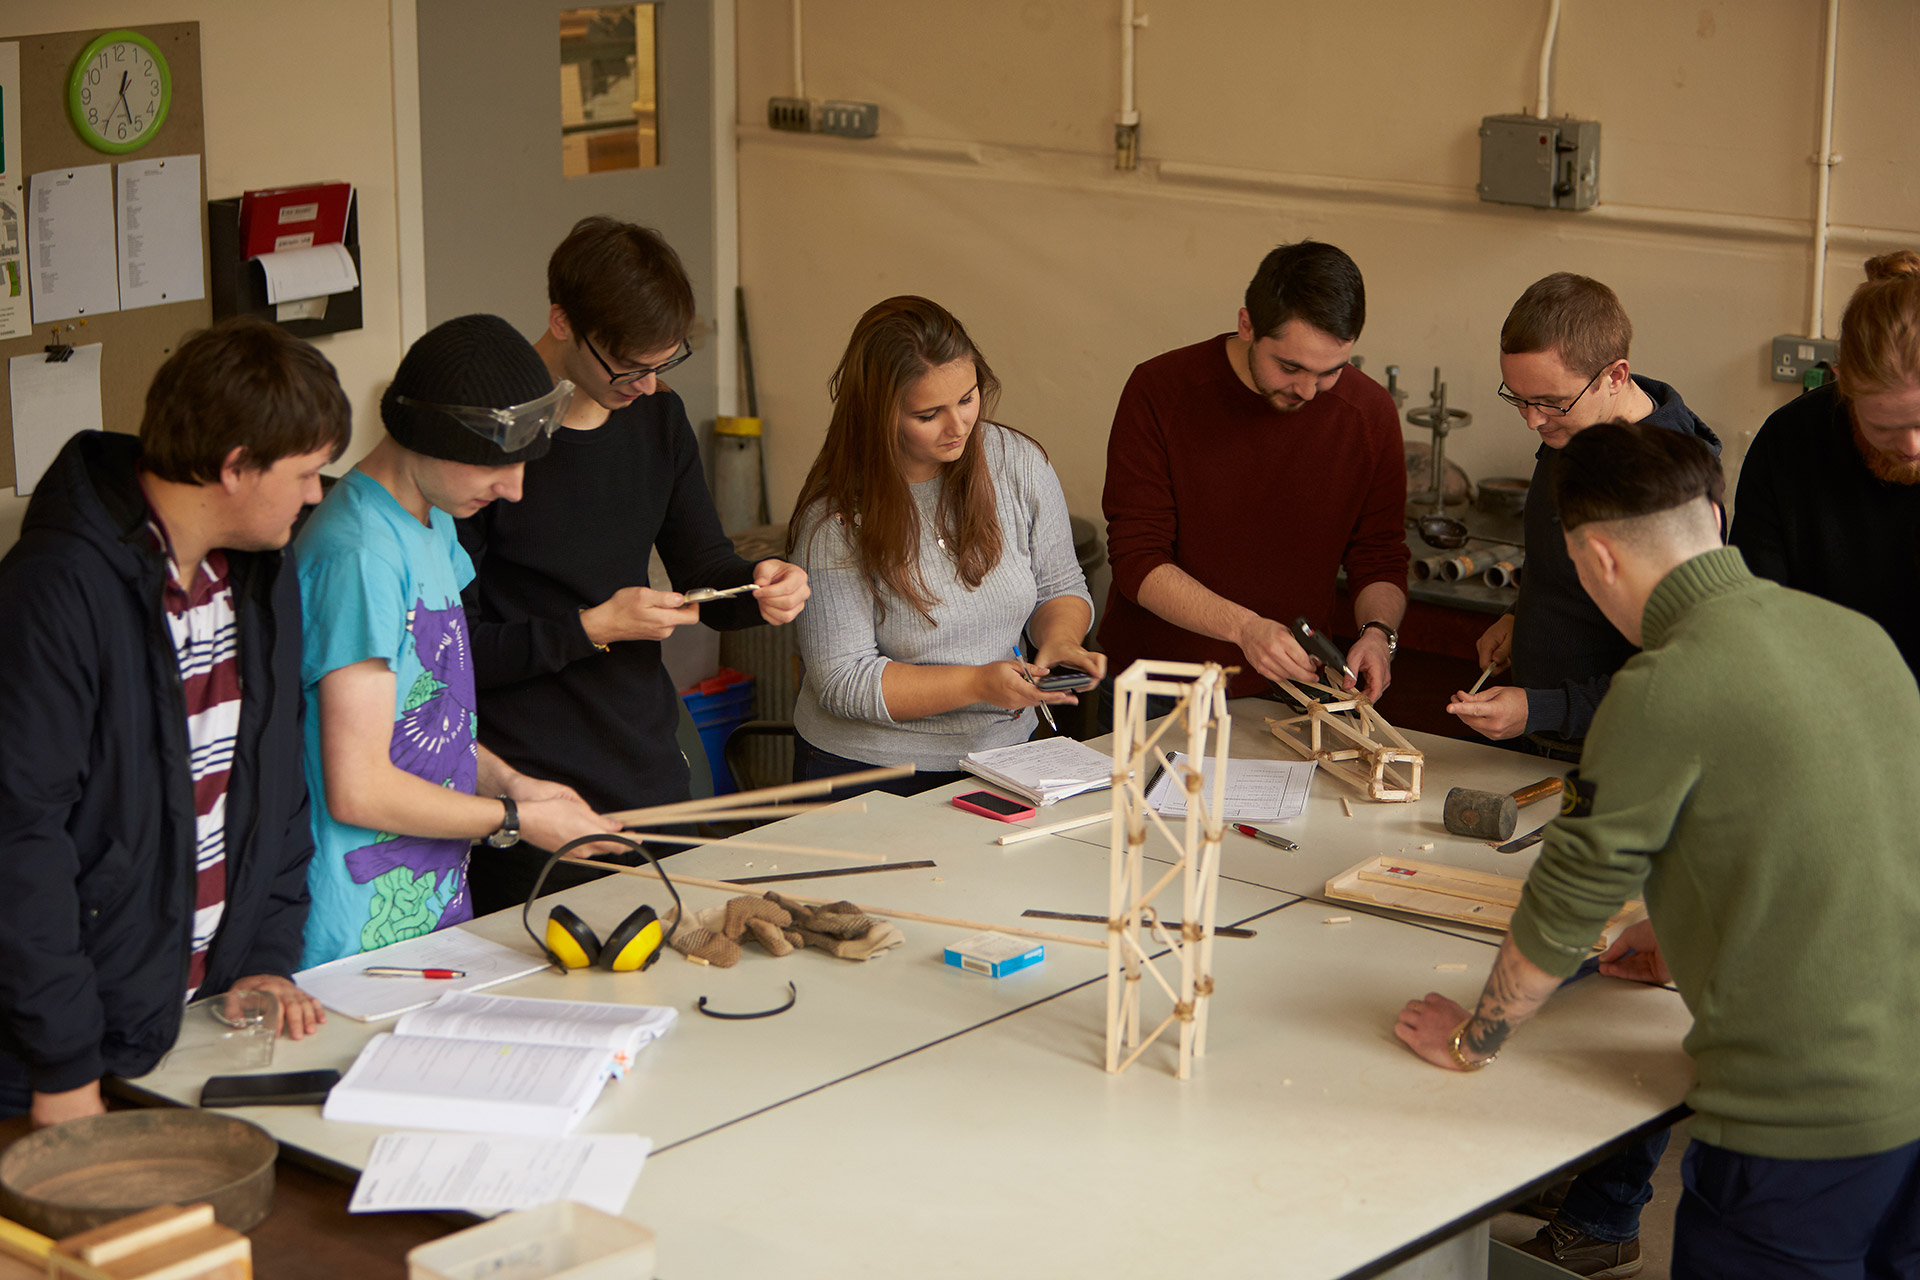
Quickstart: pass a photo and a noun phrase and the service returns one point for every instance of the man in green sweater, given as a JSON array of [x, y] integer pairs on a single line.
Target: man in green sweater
[[1751, 772]]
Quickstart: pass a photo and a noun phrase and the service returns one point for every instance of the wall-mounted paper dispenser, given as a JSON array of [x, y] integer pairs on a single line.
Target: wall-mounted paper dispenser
[[328, 274]]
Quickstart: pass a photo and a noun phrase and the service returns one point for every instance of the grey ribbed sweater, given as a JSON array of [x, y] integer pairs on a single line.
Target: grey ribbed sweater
[[846, 645]]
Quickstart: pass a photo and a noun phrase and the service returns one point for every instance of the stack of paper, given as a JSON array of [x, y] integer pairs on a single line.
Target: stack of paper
[[494, 1064], [489, 1174], [1044, 770], [345, 987]]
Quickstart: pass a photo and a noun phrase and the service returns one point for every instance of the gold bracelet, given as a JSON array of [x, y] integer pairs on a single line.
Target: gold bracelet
[[590, 640], [1466, 1063]]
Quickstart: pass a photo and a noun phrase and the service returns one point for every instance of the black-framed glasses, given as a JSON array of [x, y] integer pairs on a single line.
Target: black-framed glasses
[[680, 356], [1551, 410]]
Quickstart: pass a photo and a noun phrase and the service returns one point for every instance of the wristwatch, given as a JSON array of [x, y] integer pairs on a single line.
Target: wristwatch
[[509, 833], [1466, 1063], [1393, 637]]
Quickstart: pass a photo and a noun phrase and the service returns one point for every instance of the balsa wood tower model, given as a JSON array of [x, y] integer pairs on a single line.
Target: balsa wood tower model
[[1345, 736], [1200, 711]]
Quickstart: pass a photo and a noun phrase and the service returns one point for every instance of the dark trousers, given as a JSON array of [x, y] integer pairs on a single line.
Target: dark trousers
[[1606, 1200], [16, 1093], [1758, 1219], [810, 762]]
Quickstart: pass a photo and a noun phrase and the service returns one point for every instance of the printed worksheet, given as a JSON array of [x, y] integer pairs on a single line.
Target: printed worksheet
[[1257, 790]]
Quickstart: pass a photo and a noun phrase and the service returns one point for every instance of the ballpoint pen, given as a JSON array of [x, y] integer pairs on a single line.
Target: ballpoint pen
[[1045, 710], [390, 971], [1266, 837]]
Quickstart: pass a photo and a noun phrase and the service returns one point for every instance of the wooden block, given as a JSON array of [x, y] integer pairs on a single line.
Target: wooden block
[[1370, 881], [168, 1242]]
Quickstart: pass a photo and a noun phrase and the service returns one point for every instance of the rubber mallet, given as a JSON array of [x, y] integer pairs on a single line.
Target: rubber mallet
[[1492, 815]]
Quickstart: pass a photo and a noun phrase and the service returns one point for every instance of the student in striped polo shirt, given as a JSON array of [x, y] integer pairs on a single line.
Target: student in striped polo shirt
[[153, 821]]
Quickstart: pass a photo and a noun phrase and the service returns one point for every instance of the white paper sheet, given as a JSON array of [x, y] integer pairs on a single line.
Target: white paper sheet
[[342, 987], [159, 222], [16, 313], [51, 402], [70, 243], [426, 1171], [308, 273], [1257, 790]]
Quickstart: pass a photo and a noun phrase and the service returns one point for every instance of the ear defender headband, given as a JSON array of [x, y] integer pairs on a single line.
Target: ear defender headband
[[635, 943]]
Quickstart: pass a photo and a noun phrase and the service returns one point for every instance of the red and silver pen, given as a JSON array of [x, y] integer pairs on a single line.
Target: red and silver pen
[[387, 971], [1278, 842]]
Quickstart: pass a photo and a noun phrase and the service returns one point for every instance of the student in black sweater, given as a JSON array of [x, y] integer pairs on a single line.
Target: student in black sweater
[[1829, 498], [1563, 358], [566, 633]]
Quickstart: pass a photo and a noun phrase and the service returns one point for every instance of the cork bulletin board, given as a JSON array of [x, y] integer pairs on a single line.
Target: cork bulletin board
[[133, 343]]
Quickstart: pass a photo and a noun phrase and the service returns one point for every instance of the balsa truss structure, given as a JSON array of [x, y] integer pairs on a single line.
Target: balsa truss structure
[[1352, 742], [1201, 714]]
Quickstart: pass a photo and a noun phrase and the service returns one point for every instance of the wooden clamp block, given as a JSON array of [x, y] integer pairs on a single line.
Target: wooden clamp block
[[1368, 747], [168, 1242]]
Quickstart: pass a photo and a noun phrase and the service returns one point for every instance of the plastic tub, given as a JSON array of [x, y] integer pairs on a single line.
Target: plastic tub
[[719, 706]]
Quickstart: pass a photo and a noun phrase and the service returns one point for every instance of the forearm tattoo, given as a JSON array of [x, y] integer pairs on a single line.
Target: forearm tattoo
[[1507, 1001]]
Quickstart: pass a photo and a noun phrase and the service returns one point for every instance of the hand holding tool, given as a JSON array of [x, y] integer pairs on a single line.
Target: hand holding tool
[[1492, 815], [1318, 646]]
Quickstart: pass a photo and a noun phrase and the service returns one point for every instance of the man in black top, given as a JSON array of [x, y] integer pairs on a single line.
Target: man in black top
[[1563, 358], [149, 582], [566, 634], [1829, 498], [1563, 361]]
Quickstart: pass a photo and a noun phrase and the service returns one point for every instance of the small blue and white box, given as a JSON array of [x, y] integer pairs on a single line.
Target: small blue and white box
[[995, 954]]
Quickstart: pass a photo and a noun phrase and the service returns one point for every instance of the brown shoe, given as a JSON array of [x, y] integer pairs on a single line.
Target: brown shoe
[[1545, 1203], [1583, 1255]]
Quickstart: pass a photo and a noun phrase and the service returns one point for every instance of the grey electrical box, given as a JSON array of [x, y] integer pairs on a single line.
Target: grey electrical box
[[1549, 164]]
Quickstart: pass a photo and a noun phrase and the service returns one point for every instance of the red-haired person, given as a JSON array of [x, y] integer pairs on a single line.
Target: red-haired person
[[936, 541], [1829, 498]]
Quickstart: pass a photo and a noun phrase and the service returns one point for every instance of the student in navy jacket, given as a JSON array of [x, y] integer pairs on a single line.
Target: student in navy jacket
[[153, 814]]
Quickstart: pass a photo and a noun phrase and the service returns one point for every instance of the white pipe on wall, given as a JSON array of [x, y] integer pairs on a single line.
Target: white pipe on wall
[[1543, 105], [1127, 114], [1816, 325], [799, 67]]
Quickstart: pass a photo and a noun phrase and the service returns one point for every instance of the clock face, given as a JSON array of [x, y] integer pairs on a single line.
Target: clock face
[[119, 92]]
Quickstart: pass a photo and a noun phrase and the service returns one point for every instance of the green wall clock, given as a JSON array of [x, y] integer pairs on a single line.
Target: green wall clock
[[119, 92]]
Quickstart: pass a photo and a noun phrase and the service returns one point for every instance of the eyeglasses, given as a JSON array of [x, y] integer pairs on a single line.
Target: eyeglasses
[[1551, 410], [514, 427], [680, 356]]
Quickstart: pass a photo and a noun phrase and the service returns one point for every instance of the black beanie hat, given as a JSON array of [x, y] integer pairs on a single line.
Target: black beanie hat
[[478, 361]]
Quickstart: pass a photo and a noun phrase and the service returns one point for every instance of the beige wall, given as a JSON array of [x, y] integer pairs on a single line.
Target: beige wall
[[991, 188], [292, 93]]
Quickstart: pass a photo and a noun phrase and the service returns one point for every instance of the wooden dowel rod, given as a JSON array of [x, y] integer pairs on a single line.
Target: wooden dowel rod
[[741, 842], [767, 811], [890, 913], [1054, 829], [791, 790]]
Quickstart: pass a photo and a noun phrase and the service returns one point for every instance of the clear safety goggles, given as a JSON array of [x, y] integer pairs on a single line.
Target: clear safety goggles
[[514, 427]]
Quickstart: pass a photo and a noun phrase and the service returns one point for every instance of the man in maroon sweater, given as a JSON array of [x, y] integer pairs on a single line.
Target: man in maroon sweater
[[1243, 471]]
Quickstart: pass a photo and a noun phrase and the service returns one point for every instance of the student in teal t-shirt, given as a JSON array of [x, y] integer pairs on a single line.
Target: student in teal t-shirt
[[399, 783]]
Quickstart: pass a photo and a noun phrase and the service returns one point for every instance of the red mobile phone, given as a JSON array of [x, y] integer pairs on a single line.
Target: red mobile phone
[[989, 805]]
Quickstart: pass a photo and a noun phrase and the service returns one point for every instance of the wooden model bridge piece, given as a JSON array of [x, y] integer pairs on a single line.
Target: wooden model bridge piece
[[1352, 742], [1193, 841]]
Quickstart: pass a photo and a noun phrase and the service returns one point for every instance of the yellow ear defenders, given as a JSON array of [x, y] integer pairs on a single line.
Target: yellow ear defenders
[[635, 942]]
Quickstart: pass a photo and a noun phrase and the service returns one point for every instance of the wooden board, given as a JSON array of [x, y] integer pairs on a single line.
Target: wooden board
[[1449, 893], [133, 343]]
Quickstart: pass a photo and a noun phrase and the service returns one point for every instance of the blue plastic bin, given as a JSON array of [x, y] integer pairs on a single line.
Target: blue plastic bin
[[720, 705]]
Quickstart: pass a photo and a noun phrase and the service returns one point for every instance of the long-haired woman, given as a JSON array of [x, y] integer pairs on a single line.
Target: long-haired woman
[[936, 542]]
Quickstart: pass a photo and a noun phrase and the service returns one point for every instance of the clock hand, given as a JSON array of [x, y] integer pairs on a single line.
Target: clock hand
[[124, 77]]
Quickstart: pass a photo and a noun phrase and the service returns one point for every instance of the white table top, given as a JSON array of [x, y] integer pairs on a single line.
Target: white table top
[[909, 1110]]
